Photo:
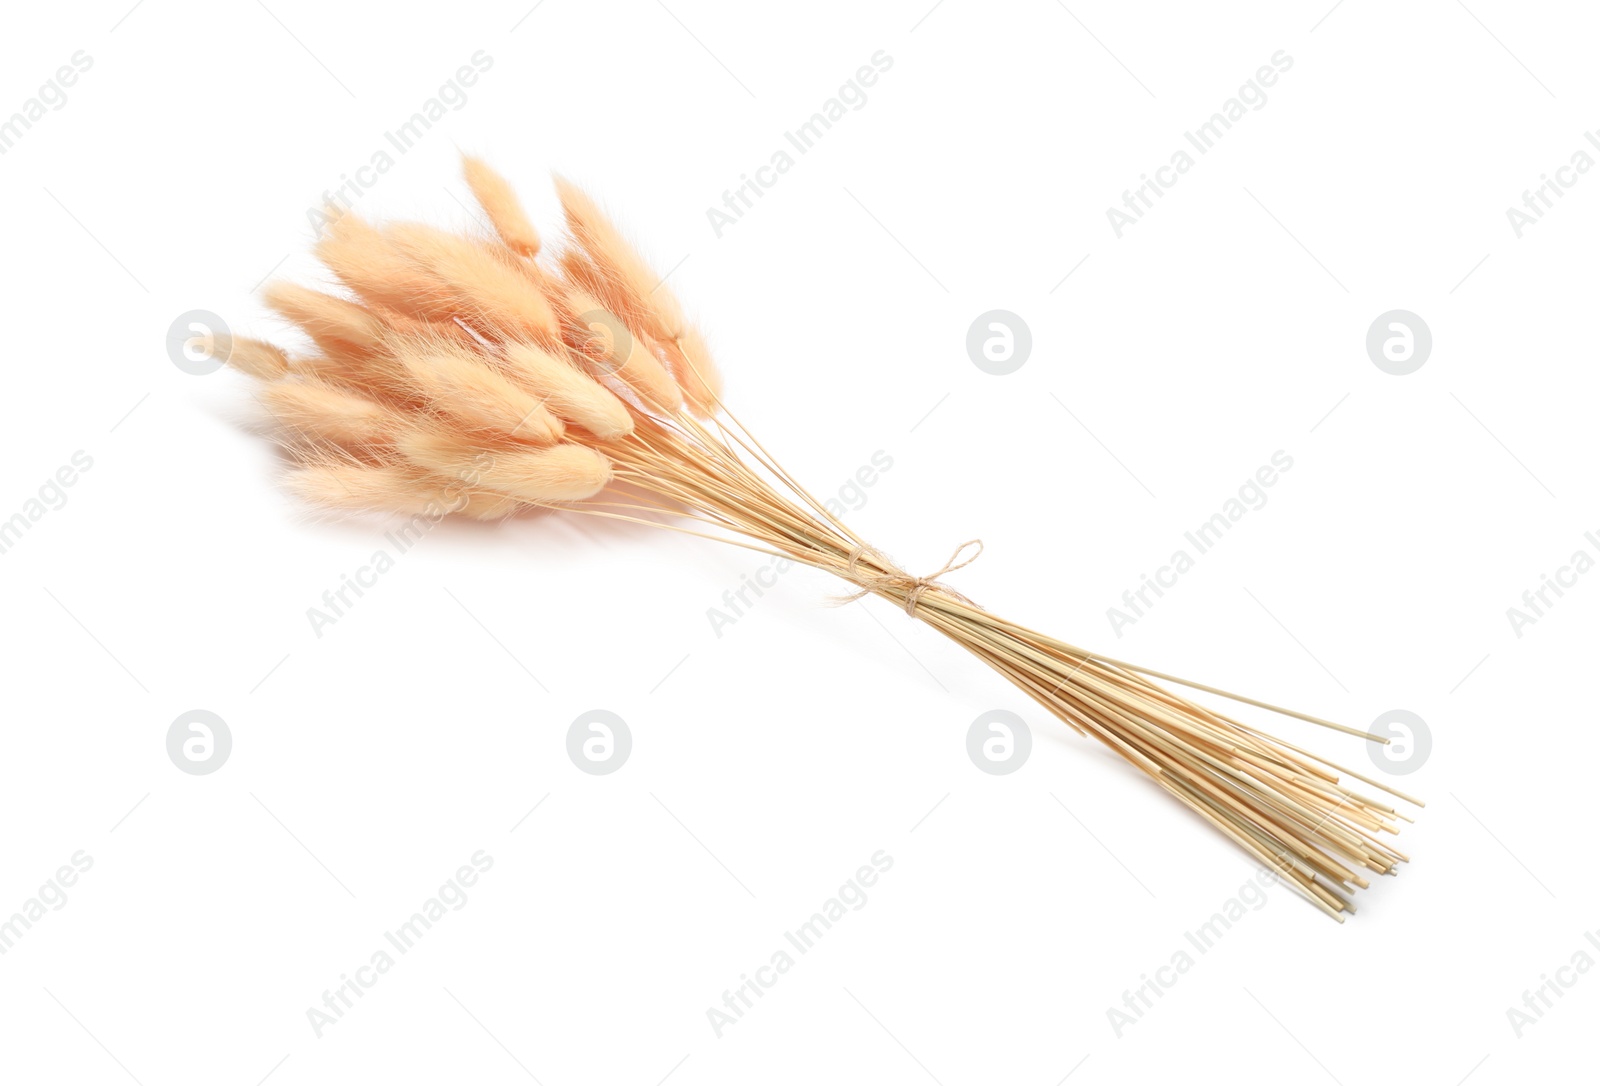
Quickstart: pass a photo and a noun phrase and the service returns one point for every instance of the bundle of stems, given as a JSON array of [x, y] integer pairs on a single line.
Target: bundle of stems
[[474, 375]]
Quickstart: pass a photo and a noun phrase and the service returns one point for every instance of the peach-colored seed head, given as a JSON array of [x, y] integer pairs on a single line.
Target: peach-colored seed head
[[630, 361], [575, 397], [485, 288], [260, 360], [368, 264], [325, 413], [559, 473], [500, 203], [455, 381], [617, 261], [334, 324]]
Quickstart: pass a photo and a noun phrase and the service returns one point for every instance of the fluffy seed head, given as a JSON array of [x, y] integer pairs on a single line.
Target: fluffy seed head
[[573, 396], [459, 383], [615, 349], [696, 372], [394, 488], [636, 292], [484, 287], [560, 473], [325, 413], [369, 265], [500, 203], [335, 324], [260, 360]]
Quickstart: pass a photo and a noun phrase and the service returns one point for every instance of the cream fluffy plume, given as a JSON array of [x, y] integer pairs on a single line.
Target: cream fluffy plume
[[482, 375], [463, 369]]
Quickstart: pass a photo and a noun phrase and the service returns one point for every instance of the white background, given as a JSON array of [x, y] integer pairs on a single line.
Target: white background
[[772, 761]]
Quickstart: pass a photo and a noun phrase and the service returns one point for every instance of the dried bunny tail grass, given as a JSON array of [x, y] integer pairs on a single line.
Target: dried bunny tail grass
[[451, 331], [459, 383], [484, 286], [450, 391], [366, 262], [500, 203], [395, 488], [352, 339], [574, 397], [310, 409], [392, 488], [260, 360], [653, 314], [619, 352], [560, 473], [627, 283], [487, 505], [697, 375], [337, 325], [584, 274]]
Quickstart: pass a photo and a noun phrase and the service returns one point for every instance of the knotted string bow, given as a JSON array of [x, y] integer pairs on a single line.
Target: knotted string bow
[[894, 578]]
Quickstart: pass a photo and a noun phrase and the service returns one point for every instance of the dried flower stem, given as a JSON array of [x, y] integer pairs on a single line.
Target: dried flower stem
[[1276, 801]]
